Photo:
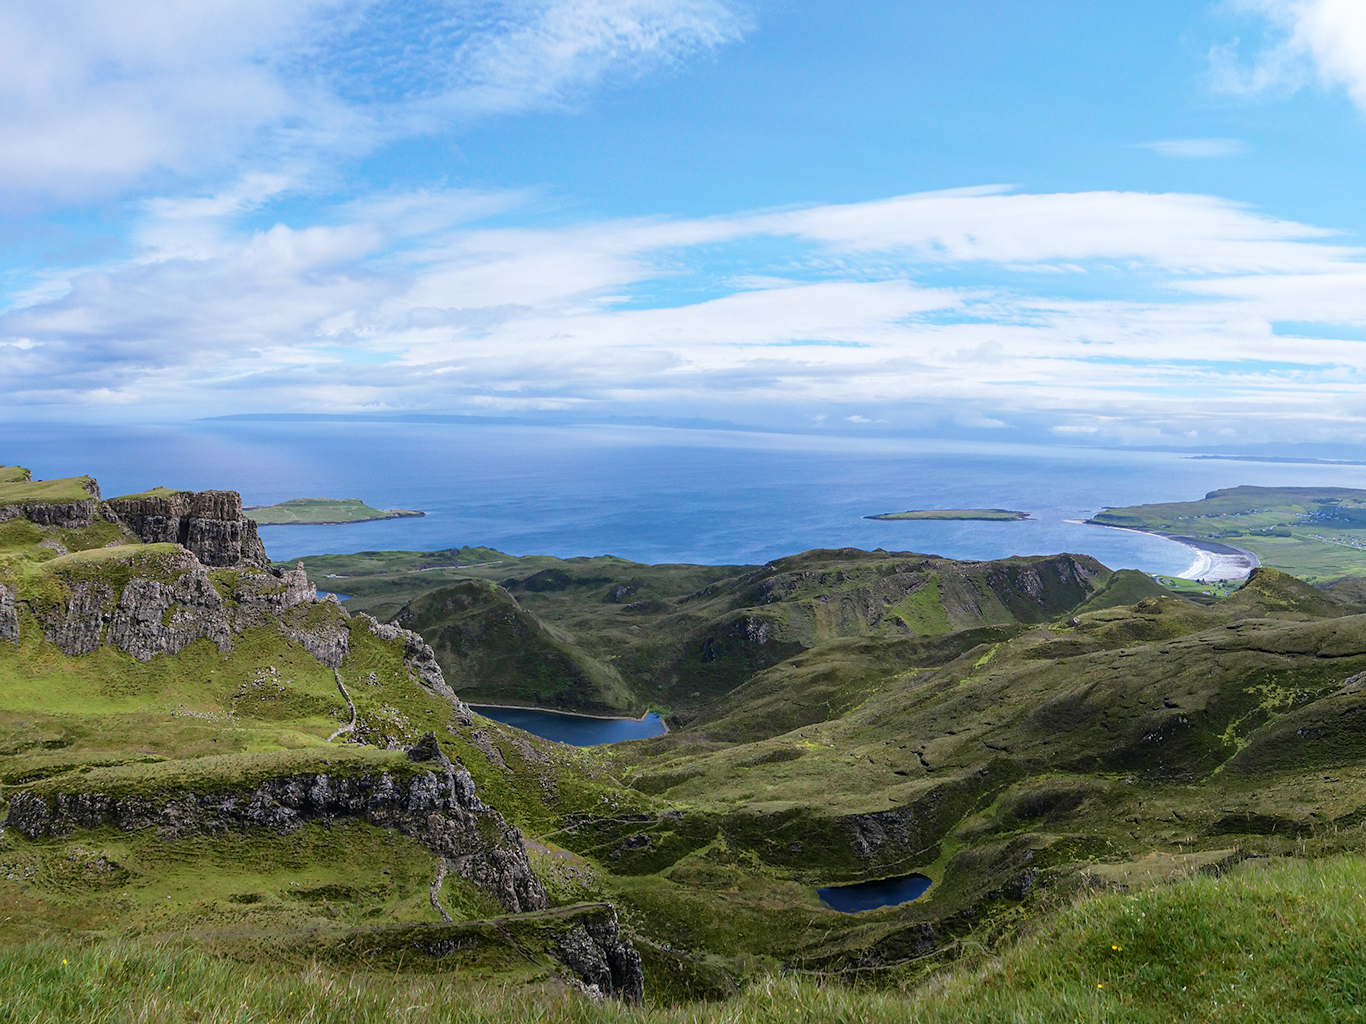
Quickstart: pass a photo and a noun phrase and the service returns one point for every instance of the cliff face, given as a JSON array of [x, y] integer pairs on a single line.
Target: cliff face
[[439, 808], [9, 615], [164, 607], [68, 515], [209, 523]]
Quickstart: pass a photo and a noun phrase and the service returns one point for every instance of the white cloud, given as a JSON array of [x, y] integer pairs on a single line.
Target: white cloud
[[1196, 149], [96, 96], [1322, 38], [400, 302]]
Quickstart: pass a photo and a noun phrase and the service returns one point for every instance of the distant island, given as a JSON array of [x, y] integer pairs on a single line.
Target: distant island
[[323, 512], [991, 514]]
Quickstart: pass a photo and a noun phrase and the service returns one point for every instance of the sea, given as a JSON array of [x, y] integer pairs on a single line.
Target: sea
[[655, 494]]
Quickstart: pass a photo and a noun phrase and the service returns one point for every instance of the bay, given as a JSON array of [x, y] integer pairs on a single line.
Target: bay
[[654, 494]]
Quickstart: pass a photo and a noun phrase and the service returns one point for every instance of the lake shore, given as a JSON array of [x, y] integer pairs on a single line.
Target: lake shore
[[572, 714], [1213, 561]]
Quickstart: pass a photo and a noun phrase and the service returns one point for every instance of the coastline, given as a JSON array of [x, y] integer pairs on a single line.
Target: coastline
[[1213, 561], [572, 714]]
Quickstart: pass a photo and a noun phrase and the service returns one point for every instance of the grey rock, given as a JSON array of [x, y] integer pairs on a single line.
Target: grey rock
[[328, 641], [596, 952], [71, 515], [438, 808], [74, 515], [76, 626], [261, 595], [9, 616], [208, 523], [152, 618]]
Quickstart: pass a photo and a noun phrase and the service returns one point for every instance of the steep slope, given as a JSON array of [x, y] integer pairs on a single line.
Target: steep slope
[[189, 736], [496, 652], [608, 635]]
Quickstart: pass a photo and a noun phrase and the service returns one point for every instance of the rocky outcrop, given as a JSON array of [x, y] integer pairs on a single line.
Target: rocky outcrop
[[76, 625], [419, 658], [583, 944], [155, 618], [9, 616], [174, 603], [261, 595], [608, 964], [208, 523], [68, 515], [439, 808]]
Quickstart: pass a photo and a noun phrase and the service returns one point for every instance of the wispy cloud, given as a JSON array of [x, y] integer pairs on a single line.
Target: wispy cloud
[[97, 96], [408, 302], [1196, 149]]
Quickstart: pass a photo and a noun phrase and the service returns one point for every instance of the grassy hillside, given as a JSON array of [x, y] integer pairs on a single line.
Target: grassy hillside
[[18, 486], [320, 511], [1279, 943], [1317, 533], [607, 635], [1045, 739]]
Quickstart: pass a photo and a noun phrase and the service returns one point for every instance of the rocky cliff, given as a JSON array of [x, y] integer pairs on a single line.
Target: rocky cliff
[[68, 515], [437, 806], [209, 523]]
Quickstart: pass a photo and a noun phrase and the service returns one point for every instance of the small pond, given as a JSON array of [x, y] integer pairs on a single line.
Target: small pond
[[324, 594], [576, 730], [885, 892]]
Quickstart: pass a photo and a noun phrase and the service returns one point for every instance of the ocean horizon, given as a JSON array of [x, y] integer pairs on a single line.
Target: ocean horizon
[[658, 495]]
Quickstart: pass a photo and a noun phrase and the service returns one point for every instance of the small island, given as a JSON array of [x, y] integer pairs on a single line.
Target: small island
[[323, 512], [989, 514]]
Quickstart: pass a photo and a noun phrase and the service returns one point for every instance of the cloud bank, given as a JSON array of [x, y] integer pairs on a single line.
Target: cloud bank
[[1131, 315]]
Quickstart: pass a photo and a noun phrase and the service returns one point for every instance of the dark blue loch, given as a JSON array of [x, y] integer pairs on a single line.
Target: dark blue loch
[[885, 892]]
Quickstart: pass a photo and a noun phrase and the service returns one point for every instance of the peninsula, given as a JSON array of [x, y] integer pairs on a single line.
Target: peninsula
[[1316, 533], [324, 512], [988, 514]]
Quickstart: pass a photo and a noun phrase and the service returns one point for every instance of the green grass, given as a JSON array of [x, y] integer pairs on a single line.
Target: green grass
[[69, 489], [989, 514], [155, 492], [1316, 533], [321, 511], [1281, 943]]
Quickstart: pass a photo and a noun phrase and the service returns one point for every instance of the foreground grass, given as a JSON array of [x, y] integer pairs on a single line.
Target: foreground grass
[[1283, 943]]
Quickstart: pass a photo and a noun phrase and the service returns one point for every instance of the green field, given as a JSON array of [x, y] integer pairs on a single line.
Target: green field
[[17, 486], [989, 514], [323, 511], [1316, 533]]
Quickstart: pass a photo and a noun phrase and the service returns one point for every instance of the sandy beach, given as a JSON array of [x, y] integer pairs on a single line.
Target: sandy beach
[[1212, 560]]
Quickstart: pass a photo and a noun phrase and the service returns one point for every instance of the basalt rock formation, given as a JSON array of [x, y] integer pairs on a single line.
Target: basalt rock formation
[[68, 515], [209, 523], [597, 953], [9, 616], [439, 808], [165, 607]]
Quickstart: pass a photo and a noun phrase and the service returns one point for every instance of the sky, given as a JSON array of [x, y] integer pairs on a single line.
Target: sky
[[1100, 222]]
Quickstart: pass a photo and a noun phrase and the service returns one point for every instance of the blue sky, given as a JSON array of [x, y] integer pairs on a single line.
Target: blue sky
[[1109, 222]]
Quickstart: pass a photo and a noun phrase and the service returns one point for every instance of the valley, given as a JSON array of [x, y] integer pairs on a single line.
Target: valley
[[196, 749]]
